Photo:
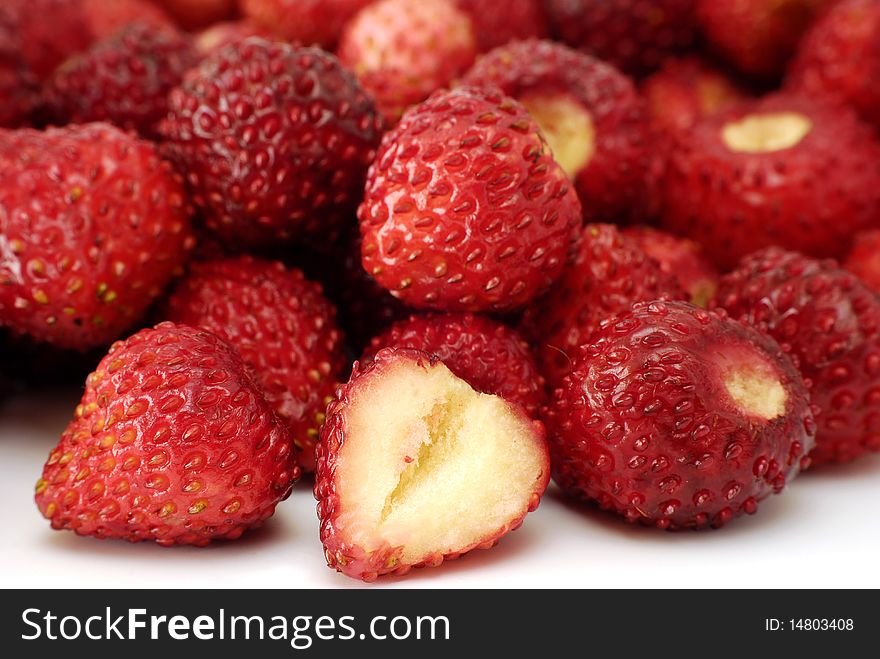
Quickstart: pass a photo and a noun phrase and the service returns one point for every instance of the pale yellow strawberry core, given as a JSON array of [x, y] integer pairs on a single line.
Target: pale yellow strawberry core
[[756, 391], [431, 467], [567, 127], [766, 132]]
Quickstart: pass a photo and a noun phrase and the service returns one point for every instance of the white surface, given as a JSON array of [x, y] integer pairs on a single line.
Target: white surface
[[824, 531]]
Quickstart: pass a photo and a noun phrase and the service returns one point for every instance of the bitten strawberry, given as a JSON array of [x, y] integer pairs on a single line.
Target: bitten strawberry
[[839, 58], [608, 275], [831, 321], [782, 171], [195, 14], [465, 208], [275, 142], [634, 35], [93, 225], [864, 258], [498, 23], [488, 355], [590, 113], [124, 79], [412, 481], [173, 441], [283, 327], [317, 22], [403, 50], [678, 417]]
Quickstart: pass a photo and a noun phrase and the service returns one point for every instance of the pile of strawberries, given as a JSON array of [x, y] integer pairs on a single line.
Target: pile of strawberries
[[436, 252]]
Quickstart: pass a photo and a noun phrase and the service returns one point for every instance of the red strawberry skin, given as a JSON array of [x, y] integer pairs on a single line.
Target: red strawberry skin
[[811, 197], [498, 23], [864, 259], [831, 322], [645, 427], [124, 79], [485, 353], [465, 208], [633, 35], [196, 14], [105, 18], [839, 58], [173, 442], [220, 35], [317, 22], [612, 184], [283, 327], [18, 89], [93, 225], [275, 141], [609, 274]]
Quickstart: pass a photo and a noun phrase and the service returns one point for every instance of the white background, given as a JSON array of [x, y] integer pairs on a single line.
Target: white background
[[824, 531]]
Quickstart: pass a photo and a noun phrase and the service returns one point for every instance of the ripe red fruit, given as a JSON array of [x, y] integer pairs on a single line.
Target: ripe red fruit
[[18, 89], [608, 275], [465, 208], [831, 322], [283, 327], [591, 114], [93, 225], [104, 18], [756, 36], [195, 14], [275, 142], [317, 22], [415, 467], [687, 89], [487, 354], [220, 35], [498, 23], [634, 35], [679, 258], [124, 79], [839, 58], [403, 50], [678, 417], [173, 441], [782, 171], [864, 258]]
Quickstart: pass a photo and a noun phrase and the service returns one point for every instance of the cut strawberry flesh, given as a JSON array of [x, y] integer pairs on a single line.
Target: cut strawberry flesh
[[568, 128], [766, 132]]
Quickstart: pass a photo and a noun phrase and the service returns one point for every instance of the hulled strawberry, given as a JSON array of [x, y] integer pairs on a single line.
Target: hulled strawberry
[[196, 14], [93, 225], [592, 117], [783, 171], [680, 258], [173, 441], [275, 142], [839, 58], [634, 35], [488, 355], [414, 484], [465, 208], [283, 327], [498, 23], [403, 50], [317, 22], [124, 79], [608, 275], [756, 36], [831, 322], [678, 417], [864, 258]]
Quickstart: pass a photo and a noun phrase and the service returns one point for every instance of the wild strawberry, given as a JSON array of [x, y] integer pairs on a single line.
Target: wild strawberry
[[196, 14], [220, 35], [864, 258], [309, 22], [93, 225], [498, 23]]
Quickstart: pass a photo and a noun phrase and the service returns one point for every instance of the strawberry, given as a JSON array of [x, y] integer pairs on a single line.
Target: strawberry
[[197, 14], [498, 23], [220, 35], [104, 18], [678, 417], [283, 327], [680, 258], [634, 35], [590, 113], [831, 322], [93, 225], [864, 258], [275, 141], [18, 89], [173, 441], [403, 50], [485, 353], [465, 208], [839, 58], [781, 171], [124, 79], [608, 275], [756, 36], [411, 485], [318, 22]]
